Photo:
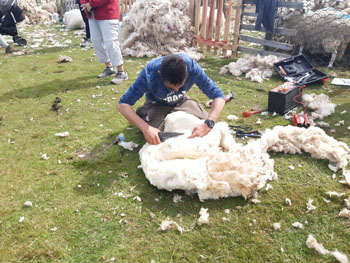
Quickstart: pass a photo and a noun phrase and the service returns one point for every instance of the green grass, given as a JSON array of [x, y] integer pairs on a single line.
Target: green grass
[[78, 197]]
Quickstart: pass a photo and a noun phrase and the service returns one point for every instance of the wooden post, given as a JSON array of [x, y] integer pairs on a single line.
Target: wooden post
[[191, 12], [210, 26], [204, 20], [121, 10], [218, 24], [197, 18], [238, 19], [227, 26]]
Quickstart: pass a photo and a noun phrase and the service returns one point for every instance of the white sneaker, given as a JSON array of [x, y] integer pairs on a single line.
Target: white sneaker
[[107, 72], [86, 43], [119, 77]]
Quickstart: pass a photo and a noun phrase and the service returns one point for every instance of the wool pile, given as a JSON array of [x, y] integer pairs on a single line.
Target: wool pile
[[216, 166], [257, 68], [157, 27], [320, 104], [35, 14]]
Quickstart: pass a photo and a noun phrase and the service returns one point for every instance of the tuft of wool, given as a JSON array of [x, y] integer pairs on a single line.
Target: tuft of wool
[[216, 166], [257, 68], [276, 226], [312, 243], [310, 206], [320, 104], [158, 27], [167, 225], [204, 216], [344, 213]]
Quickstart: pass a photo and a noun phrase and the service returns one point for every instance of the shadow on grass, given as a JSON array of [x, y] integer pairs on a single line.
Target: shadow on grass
[[107, 166], [52, 87]]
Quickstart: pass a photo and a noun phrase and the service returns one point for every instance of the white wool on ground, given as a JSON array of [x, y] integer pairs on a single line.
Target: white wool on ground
[[128, 145], [62, 134], [276, 226], [167, 225], [298, 225], [346, 177], [158, 27], [73, 19], [28, 203], [204, 216], [344, 213], [257, 68], [312, 243], [310, 206], [320, 104], [347, 202], [333, 193], [216, 166], [64, 59], [232, 117], [288, 202]]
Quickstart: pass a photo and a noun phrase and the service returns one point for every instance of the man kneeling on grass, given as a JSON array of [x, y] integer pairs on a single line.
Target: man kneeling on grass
[[165, 81]]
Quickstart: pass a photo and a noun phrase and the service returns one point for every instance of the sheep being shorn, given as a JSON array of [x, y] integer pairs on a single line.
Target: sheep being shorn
[[217, 166], [321, 31], [157, 27]]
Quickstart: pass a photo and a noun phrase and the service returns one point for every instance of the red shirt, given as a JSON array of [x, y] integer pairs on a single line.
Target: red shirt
[[103, 9]]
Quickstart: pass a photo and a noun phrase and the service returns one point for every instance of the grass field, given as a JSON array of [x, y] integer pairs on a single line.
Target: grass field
[[85, 210]]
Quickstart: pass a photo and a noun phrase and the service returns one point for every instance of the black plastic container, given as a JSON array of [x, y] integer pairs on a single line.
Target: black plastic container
[[299, 70]]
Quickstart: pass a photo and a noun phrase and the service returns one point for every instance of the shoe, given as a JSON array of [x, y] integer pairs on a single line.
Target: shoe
[[10, 49], [119, 77], [107, 72], [86, 43]]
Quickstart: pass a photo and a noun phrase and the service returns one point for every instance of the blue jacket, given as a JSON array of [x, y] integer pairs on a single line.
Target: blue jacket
[[266, 10], [150, 83]]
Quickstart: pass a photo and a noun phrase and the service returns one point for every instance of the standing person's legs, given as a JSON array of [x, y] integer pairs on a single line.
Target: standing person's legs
[[110, 37], [87, 37], [99, 46]]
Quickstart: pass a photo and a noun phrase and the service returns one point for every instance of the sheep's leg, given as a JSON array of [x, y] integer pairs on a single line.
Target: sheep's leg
[[334, 55], [301, 48]]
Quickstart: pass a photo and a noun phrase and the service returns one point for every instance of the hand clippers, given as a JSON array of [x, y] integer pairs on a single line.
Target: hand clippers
[[163, 136]]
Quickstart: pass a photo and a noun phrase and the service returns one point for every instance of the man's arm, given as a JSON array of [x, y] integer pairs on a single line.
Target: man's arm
[[215, 111], [150, 133]]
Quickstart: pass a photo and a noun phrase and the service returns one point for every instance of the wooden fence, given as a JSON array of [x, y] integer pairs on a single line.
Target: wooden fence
[[209, 21]]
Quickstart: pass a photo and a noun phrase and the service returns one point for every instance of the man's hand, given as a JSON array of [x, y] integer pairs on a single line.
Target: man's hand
[[200, 131], [151, 135], [86, 7]]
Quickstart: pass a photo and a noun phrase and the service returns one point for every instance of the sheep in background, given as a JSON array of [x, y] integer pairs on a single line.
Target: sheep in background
[[321, 31]]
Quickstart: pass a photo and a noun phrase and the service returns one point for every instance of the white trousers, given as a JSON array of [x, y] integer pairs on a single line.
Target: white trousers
[[104, 37], [3, 42]]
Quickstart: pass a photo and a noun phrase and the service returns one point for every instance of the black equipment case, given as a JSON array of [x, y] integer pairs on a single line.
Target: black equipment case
[[299, 70]]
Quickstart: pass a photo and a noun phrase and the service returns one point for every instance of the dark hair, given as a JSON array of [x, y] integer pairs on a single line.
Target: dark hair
[[173, 69]]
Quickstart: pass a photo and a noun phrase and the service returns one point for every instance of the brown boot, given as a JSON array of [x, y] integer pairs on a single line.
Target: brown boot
[[10, 49]]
